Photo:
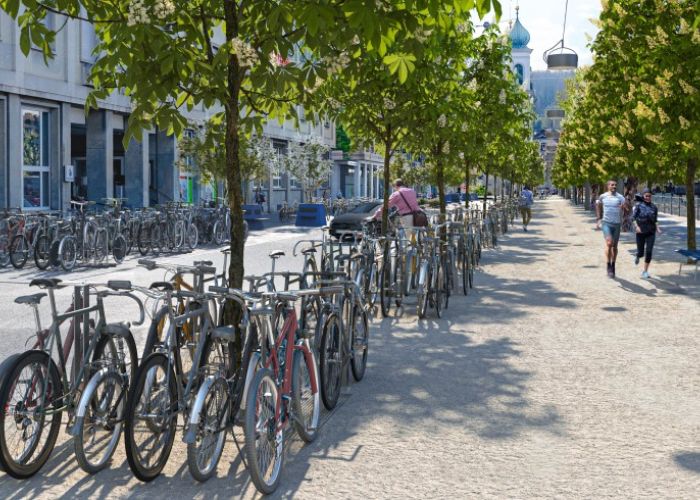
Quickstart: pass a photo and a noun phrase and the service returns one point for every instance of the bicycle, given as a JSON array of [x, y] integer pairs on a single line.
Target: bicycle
[[35, 391]]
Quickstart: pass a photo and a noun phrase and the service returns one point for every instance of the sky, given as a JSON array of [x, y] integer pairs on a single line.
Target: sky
[[544, 19]]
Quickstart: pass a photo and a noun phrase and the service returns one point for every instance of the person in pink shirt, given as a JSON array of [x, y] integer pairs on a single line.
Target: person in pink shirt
[[405, 201]]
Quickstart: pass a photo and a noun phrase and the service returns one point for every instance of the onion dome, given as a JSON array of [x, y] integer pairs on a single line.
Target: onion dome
[[519, 36]]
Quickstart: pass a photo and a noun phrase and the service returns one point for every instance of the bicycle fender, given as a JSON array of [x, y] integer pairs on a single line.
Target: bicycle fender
[[85, 398], [191, 435], [116, 330], [255, 360]]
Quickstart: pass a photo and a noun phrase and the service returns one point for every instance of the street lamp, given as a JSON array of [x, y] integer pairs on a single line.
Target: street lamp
[[566, 58]]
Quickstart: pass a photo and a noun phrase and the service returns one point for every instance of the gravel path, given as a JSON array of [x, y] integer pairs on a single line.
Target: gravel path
[[549, 381]]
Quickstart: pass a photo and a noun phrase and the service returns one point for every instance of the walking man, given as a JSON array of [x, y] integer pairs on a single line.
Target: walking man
[[609, 212], [525, 204]]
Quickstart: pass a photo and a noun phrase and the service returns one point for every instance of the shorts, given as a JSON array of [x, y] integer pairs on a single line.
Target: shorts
[[611, 231]]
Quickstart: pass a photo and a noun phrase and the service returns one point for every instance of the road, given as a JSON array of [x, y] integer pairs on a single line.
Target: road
[[549, 381]]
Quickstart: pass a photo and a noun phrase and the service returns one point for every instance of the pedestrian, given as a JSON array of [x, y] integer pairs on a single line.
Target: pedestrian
[[525, 205], [405, 200], [610, 209], [645, 216]]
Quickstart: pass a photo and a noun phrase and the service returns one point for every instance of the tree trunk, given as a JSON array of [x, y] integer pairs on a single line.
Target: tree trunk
[[467, 174], [486, 191], [233, 171], [441, 184], [690, 205], [387, 180]]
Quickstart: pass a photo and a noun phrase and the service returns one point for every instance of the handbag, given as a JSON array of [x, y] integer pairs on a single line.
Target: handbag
[[420, 218]]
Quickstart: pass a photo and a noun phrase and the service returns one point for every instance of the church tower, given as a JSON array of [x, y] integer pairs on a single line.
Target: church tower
[[520, 52]]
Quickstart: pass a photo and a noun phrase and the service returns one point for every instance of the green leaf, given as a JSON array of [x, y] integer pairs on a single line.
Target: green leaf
[[24, 42]]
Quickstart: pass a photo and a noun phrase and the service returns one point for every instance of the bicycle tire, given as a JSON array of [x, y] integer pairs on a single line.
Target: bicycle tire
[[107, 406], [330, 361], [42, 252], [4, 251], [216, 399], [21, 468], [361, 341], [192, 238], [385, 285], [119, 248], [165, 424], [464, 264], [271, 435], [67, 253], [306, 421], [143, 239], [423, 295], [19, 251]]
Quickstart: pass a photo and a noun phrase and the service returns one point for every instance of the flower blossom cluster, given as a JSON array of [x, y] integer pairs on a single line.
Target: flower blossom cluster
[[446, 147], [336, 64], [389, 104], [685, 124], [442, 121], [163, 8], [138, 13], [247, 56], [334, 104]]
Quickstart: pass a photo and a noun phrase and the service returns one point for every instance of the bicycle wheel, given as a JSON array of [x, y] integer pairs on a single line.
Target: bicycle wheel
[[101, 245], [305, 402], [4, 251], [126, 233], [192, 237], [151, 418], [98, 425], [67, 253], [19, 251], [42, 252], [360, 343], [29, 423], [464, 271], [330, 362], [119, 248], [423, 294], [143, 239], [372, 284], [264, 436], [204, 454], [385, 287], [178, 232]]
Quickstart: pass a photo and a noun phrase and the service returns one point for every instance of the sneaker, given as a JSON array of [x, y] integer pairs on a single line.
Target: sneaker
[[645, 275], [613, 269], [610, 271], [636, 260]]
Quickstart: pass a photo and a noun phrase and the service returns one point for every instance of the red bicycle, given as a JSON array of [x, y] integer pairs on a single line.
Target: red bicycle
[[284, 390]]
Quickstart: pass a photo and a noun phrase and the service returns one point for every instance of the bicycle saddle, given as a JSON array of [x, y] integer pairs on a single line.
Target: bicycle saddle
[[119, 284], [30, 299], [308, 250], [202, 263], [45, 282], [162, 286], [276, 254]]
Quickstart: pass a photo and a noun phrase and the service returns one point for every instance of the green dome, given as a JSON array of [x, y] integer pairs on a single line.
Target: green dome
[[519, 36]]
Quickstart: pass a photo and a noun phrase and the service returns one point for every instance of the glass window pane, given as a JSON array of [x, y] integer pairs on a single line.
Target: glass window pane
[[32, 189], [31, 138], [44, 189], [44, 139]]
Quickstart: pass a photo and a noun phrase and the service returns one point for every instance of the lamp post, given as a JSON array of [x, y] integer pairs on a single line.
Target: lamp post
[[566, 58]]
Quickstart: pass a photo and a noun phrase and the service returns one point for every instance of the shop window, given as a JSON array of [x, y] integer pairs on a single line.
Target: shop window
[[35, 158]]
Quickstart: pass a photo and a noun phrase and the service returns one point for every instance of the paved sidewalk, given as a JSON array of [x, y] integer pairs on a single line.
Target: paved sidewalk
[[549, 381]]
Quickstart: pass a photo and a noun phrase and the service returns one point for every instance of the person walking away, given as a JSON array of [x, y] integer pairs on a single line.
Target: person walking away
[[645, 217], [405, 200], [609, 213], [525, 205]]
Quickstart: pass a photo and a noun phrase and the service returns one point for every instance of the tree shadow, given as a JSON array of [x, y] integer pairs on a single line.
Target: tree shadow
[[688, 460]]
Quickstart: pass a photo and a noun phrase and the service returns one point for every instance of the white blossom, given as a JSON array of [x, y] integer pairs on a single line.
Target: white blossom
[[446, 147], [389, 104], [442, 121], [138, 13], [163, 8], [247, 56]]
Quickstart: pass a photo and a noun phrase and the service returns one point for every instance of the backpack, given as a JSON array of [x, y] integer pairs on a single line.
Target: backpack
[[522, 201]]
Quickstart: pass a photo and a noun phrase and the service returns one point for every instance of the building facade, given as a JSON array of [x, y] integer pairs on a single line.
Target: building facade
[[52, 151]]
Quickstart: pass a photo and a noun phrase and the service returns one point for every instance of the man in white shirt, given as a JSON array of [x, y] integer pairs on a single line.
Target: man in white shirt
[[610, 209]]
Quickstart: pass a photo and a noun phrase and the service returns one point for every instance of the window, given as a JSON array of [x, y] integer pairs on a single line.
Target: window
[[88, 41], [35, 158], [294, 182], [277, 178], [519, 73]]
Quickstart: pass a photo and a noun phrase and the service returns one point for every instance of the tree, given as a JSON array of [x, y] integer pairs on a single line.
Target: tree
[[310, 164], [256, 59], [632, 112]]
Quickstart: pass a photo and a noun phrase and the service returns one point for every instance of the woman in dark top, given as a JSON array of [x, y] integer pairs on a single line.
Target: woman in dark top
[[645, 217]]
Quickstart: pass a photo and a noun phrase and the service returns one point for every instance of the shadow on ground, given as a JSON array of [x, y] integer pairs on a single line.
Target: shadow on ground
[[689, 461]]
